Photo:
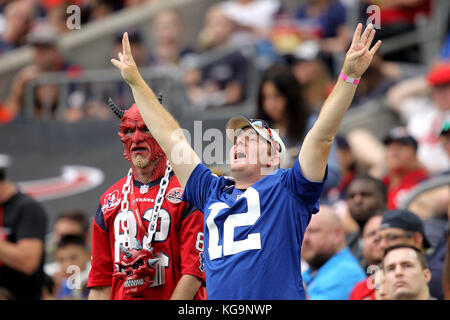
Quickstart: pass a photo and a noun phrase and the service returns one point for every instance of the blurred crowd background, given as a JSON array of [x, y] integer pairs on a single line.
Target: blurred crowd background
[[270, 59]]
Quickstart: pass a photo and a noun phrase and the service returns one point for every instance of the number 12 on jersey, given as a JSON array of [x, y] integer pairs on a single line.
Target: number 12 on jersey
[[249, 218]]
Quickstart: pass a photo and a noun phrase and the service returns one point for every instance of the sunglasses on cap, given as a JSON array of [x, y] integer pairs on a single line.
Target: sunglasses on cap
[[261, 124]]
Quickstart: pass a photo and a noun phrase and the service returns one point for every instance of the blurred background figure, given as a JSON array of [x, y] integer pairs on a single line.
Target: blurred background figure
[[366, 197], [47, 58], [73, 257], [167, 29], [423, 103], [135, 3], [333, 270], [372, 254], [281, 104], [312, 74], [253, 18], [69, 222], [221, 82], [54, 13], [72, 222], [404, 171], [377, 80], [18, 17], [398, 17], [97, 95], [98, 9], [406, 273], [23, 224], [137, 45], [325, 21], [348, 170]]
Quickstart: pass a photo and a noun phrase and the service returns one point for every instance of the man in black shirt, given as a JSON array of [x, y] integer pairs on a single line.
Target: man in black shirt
[[23, 224]]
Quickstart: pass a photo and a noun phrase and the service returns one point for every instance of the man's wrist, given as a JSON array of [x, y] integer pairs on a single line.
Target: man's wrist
[[139, 82], [352, 79]]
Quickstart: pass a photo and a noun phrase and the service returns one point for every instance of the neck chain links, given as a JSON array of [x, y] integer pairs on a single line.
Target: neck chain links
[[124, 206]]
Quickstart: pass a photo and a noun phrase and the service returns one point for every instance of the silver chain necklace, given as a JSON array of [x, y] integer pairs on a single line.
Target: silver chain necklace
[[124, 206]]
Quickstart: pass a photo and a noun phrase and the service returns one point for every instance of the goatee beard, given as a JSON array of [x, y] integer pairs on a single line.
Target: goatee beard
[[140, 162]]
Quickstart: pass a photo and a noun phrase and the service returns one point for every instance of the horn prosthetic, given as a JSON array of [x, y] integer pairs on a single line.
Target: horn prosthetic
[[125, 251], [137, 245], [117, 111]]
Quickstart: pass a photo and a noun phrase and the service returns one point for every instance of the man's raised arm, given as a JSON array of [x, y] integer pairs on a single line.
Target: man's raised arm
[[164, 128], [313, 156]]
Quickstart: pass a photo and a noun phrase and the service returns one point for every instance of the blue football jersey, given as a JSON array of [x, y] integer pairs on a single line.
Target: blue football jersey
[[253, 237]]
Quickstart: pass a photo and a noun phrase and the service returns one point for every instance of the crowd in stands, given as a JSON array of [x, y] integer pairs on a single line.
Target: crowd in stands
[[364, 243]]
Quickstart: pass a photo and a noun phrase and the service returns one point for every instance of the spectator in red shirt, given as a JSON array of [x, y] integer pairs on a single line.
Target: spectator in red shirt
[[404, 169], [399, 17], [373, 254]]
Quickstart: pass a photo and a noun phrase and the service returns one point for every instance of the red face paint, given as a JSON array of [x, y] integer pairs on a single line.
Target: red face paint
[[138, 141]]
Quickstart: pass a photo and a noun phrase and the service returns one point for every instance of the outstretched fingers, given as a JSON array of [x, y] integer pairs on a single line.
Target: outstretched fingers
[[118, 64], [355, 55], [366, 34], [126, 46], [357, 34], [375, 47], [124, 57], [370, 38]]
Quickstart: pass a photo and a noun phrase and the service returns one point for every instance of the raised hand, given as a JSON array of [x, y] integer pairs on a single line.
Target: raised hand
[[126, 63], [359, 56]]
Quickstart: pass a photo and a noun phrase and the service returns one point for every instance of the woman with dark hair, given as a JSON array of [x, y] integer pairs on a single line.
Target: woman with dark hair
[[281, 104]]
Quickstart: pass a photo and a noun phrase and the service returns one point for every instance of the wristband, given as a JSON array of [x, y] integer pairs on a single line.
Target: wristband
[[348, 79]]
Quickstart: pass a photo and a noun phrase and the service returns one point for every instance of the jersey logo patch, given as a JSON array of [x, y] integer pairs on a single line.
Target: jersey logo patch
[[111, 201], [175, 195]]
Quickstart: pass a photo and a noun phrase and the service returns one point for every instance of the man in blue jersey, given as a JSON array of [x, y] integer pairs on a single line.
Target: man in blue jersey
[[254, 224]]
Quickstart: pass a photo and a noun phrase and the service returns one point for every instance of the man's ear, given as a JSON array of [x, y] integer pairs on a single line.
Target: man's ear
[[427, 274], [418, 239], [274, 161]]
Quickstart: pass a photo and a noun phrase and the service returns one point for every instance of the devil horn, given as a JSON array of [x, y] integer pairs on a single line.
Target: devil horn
[[151, 262], [160, 98], [117, 111], [125, 251], [137, 245]]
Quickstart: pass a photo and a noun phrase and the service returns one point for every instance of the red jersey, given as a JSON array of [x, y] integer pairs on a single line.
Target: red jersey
[[178, 237], [409, 181], [404, 14], [361, 291]]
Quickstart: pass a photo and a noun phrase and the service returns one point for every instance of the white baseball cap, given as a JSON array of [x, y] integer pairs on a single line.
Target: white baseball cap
[[261, 127]]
